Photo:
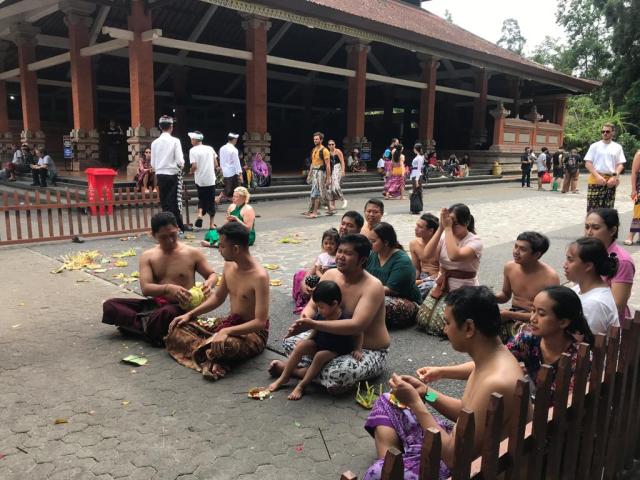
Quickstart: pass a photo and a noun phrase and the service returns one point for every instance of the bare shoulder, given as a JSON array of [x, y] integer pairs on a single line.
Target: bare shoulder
[[510, 266], [332, 274], [372, 286], [150, 254], [551, 273], [192, 251]]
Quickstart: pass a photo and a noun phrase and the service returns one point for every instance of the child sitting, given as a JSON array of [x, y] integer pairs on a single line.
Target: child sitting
[[323, 346]]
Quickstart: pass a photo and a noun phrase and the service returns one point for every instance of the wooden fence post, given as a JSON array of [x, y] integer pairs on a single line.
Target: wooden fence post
[[393, 466], [559, 422], [516, 465], [540, 424], [464, 443], [431, 455], [492, 436]]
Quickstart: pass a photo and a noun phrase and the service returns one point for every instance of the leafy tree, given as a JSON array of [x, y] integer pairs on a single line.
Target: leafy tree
[[551, 53], [448, 17], [512, 38], [588, 37]]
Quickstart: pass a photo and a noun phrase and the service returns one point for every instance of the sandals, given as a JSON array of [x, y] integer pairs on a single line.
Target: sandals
[[310, 216], [628, 242]]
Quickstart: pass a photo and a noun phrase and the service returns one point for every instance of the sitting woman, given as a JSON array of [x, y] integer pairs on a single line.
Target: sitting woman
[[586, 264], [393, 267], [305, 280], [395, 185], [604, 224], [145, 178], [458, 250], [557, 322], [260, 171], [238, 211]]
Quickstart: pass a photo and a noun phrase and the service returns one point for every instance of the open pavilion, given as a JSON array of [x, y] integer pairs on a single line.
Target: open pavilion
[[361, 71]]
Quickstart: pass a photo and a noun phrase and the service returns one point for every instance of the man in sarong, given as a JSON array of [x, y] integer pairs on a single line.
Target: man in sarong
[[472, 323], [426, 268], [524, 277], [373, 212], [214, 346], [605, 161], [363, 304], [167, 272], [320, 177]]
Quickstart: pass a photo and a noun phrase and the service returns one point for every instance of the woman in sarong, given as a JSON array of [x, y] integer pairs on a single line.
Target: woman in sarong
[[338, 171], [260, 171], [395, 188], [458, 250], [238, 211], [146, 178], [390, 264], [635, 186]]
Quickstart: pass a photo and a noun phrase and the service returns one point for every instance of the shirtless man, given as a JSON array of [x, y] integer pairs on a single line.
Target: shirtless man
[[363, 301], [167, 272], [373, 212], [243, 333], [524, 277], [472, 323], [426, 268]]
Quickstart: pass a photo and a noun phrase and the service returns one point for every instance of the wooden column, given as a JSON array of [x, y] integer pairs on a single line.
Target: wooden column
[[479, 128], [429, 67], [7, 138], [142, 131], [256, 138], [24, 36], [516, 92], [499, 115], [84, 134], [561, 111], [357, 51], [387, 118]]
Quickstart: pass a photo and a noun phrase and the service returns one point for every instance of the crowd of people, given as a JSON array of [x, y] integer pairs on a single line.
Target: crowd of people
[[363, 285]]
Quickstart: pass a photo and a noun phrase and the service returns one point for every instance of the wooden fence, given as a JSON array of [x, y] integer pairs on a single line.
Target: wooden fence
[[47, 216], [591, 433]]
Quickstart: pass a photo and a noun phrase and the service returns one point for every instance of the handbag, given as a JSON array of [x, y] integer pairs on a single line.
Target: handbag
[[546, 178]]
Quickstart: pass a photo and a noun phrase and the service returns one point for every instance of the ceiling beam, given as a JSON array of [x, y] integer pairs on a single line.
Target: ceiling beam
[[376, 63], [23, 7], [195, 35], [96, 28]]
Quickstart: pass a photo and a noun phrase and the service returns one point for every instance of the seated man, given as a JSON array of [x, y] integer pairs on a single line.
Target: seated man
[[472, 323], [426, 268], [167, 272], [351, 223], [211, 347], [362, 306], [373, 212], [524, 277]]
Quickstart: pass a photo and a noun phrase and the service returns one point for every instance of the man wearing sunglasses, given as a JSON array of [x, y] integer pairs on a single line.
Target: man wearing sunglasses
[[605, 162]]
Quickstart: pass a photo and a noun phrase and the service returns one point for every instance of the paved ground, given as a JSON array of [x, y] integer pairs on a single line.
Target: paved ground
[[162, 421]]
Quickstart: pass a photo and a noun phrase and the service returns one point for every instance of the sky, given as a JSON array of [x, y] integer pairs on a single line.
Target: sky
[[485, 17]]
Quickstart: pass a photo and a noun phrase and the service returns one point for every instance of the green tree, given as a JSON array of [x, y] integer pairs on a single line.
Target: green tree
[[512, 38], [551, 53]]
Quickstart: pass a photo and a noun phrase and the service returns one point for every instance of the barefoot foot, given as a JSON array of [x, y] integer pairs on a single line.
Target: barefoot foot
[[275, 368], [296, 394], [277, 384], [214, 372]]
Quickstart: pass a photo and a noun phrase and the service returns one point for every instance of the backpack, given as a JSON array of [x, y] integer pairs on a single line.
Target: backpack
[[571, 164]]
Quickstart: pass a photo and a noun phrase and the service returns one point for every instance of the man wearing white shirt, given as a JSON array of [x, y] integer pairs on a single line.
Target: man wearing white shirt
[[167, 161], [203, 163], [605, 161], [230, 165]]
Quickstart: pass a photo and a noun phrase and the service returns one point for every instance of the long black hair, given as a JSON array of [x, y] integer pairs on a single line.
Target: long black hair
[[592, 250], [610, 218], [397, 153], [567, 306], [463, 216], [387, 234]]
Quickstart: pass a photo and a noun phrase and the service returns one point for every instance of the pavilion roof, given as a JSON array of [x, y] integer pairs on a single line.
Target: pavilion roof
[[409, 23]]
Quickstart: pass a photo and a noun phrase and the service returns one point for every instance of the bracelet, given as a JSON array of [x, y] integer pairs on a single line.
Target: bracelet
[[431, 396]]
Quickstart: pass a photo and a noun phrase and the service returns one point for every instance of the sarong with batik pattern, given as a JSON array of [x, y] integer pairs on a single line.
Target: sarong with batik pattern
[[343, 372], [399, 312], [190, 344], [430, 316], [635, 221], [600, 196], [406, 426]]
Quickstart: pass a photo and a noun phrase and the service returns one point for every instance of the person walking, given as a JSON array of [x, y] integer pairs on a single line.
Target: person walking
[[203, 164], [605, 161], [338, 171], [541, 163], [115, 137], [525, 166], [571, 172], [231, 168], [167, 161], [319, 176]]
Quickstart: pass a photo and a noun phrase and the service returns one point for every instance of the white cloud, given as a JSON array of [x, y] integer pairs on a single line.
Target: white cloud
[[484, 18]]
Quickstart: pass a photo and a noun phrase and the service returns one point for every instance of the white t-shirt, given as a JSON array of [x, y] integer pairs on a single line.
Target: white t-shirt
[[166, 155], [605, 156], [599, 308], [416, 166], [203, 156], [48, 161], [380, 163], [230, 161]]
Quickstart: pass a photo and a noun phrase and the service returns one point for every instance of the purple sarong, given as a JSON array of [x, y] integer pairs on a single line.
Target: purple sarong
[[298, 295], [410, 433]]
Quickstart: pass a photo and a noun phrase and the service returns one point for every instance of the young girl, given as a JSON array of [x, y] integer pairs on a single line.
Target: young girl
[[326, 260], [323, 346], [587, 261]]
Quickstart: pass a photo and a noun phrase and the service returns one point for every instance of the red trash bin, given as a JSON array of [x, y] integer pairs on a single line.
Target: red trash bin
[[100, 188]]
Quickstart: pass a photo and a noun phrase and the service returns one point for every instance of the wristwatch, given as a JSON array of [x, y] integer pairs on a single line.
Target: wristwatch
[[430, 396]]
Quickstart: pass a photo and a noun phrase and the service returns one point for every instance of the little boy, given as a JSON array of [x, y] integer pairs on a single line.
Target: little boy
[[323, 346]]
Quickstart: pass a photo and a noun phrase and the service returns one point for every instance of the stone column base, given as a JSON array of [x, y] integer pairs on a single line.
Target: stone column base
[[7, 142], [87, 149], [33, 139], [139, 138], [255, 142]]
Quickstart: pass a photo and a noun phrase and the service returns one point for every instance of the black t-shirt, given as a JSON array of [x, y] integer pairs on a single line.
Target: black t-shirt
[[525, 162], [572, 163]]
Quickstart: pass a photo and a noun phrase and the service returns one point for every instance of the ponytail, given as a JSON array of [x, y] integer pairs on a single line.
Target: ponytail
[[592, 250], [567, 306], [463, 215]]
